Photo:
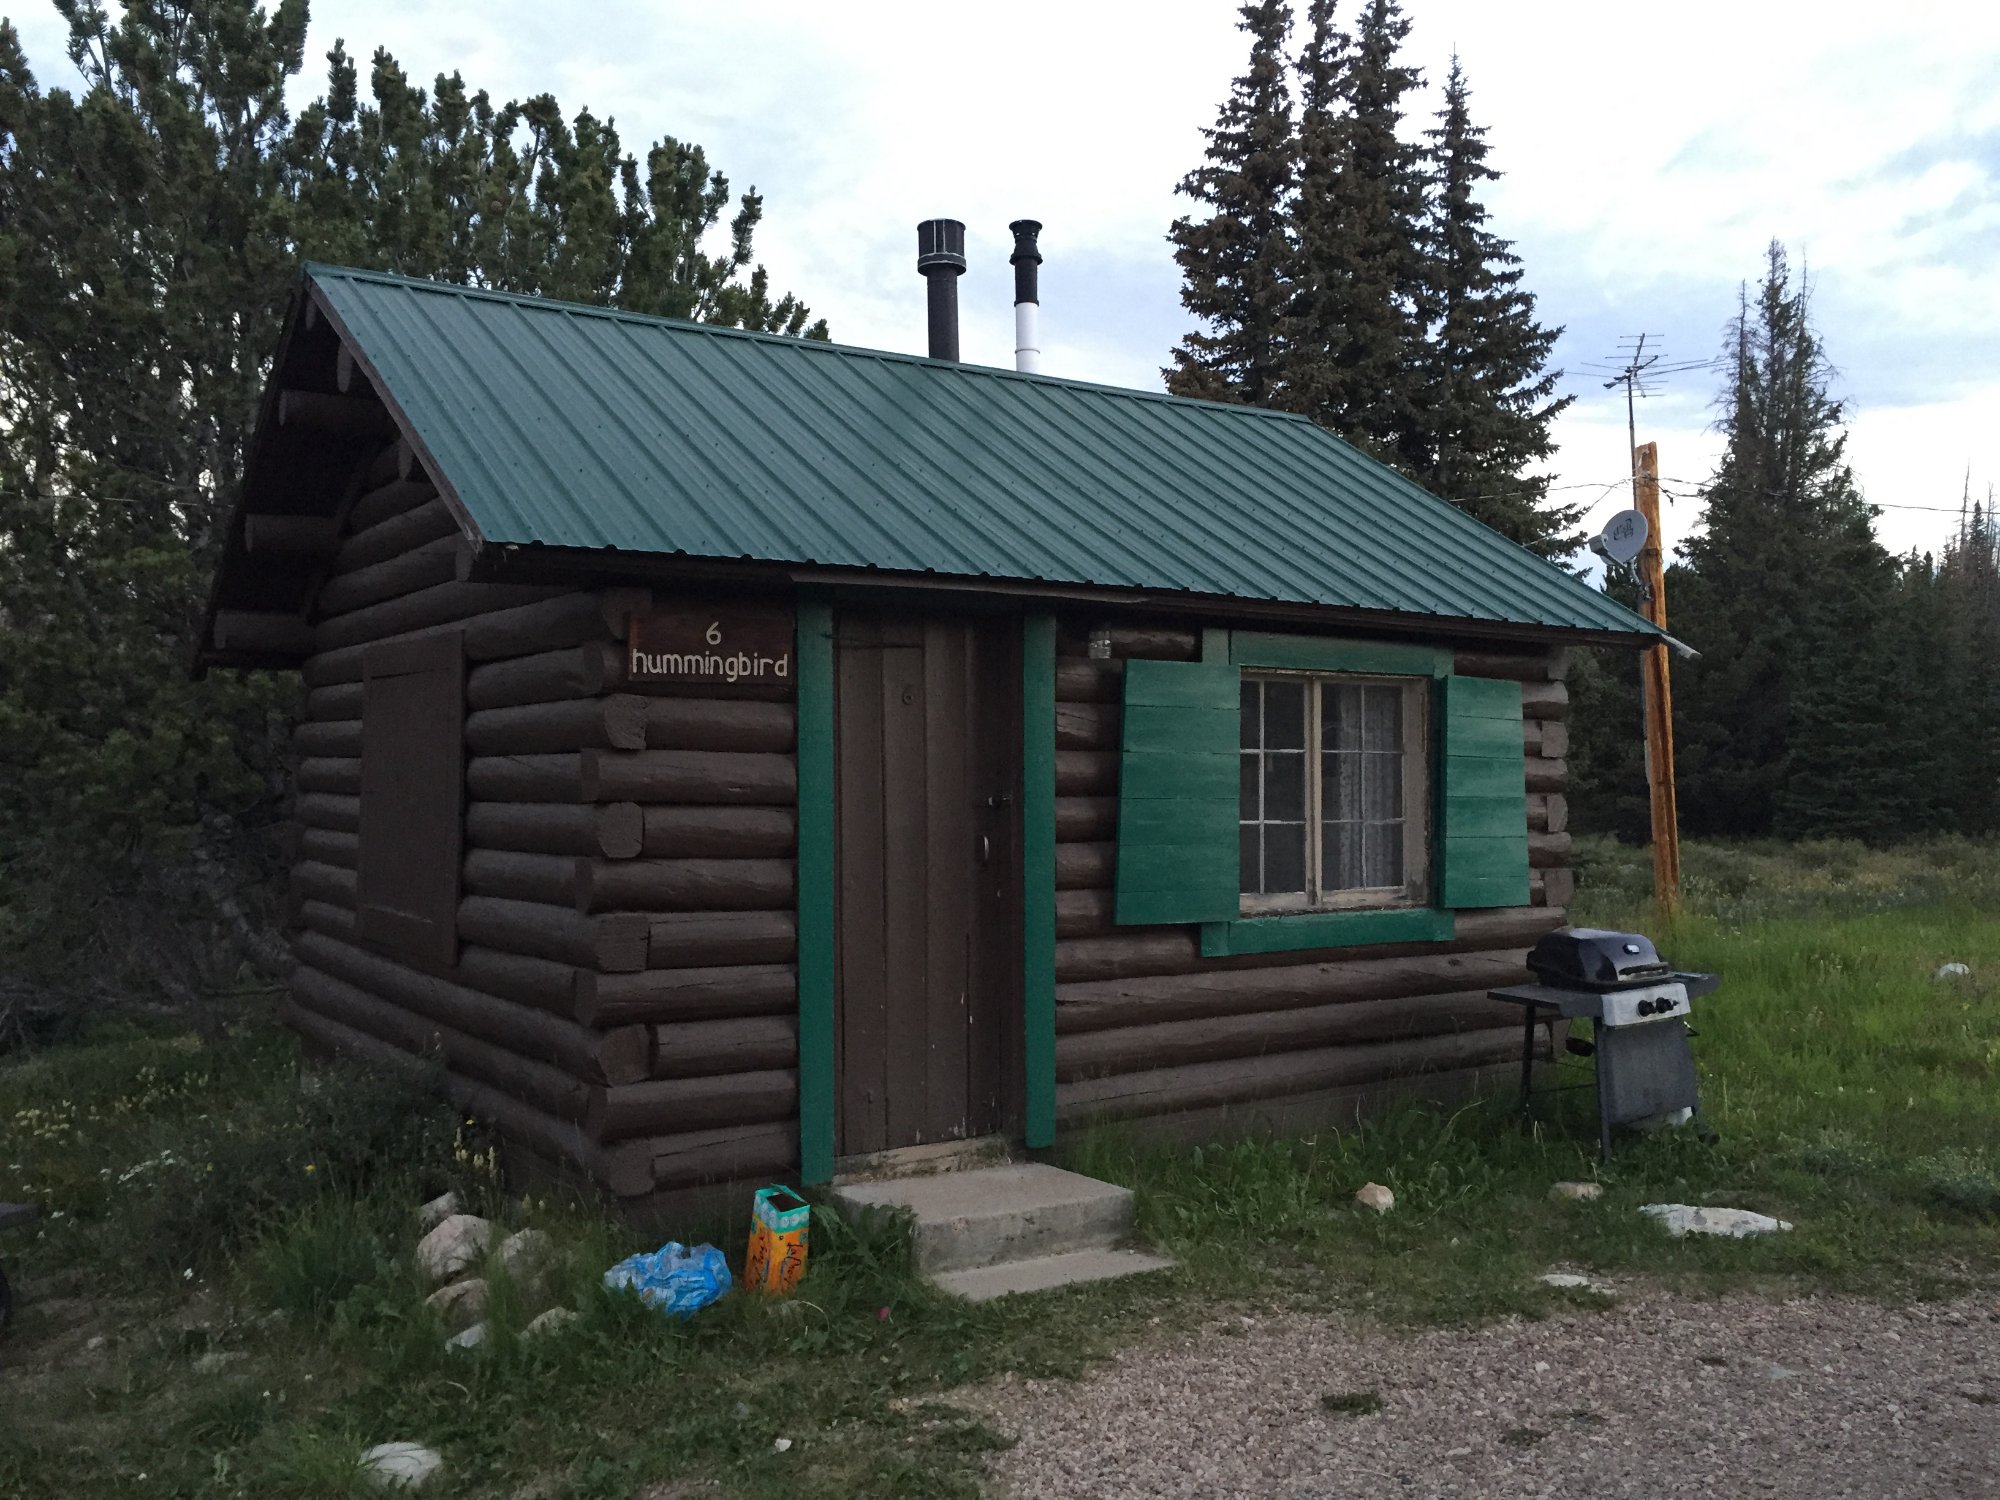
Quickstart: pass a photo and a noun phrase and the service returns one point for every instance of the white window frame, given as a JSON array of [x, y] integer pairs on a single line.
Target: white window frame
[[1418, 752]]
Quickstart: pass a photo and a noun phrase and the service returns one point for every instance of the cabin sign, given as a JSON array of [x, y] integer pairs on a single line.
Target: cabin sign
[[708, 645]]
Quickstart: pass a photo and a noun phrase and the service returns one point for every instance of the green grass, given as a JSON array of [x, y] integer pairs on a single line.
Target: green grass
[[263, 1323]]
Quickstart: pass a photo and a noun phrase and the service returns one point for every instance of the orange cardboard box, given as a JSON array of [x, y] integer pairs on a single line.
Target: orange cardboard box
[[779, 1222]]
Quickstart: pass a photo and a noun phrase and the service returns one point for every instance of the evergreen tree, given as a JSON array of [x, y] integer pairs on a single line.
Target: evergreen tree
[[1353, 332], [1781, 586], [1233, 258], [1484, 397]]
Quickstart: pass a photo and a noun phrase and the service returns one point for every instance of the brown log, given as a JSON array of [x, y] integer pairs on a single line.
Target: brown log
[[1545, 737], [396, 460], [584, 671], [1548, 812], [703, 1049], [329, 846], [719, 832], [692, 940], [1545, 775], [623, 1055], [1086, 773], [613, 830], [313, 881], [339, 416], [323, 810], [1160, 643], [341, 701], [1087, 726], [1085, 867], [720, 724], [671, 1106], [702, 777], [1203, 1085], [1548, 849], [544, 983], [1525, 666], [687, 994], [1080, 913], [683, 885], [1095, 1005], [324, 737], [326, 917], [397, 497], [290, 536], [733, 1153], [541, 1084], [1553, 888], [569, 620], [1086, 819], [546, 878], [441, 604], [626, 1170], [405, 573], [614, 943], [1081, 680], [525, 778], [265, 632], [330, 774], [400, 534], [617, 723], [1133, 1048], [1544, 700]]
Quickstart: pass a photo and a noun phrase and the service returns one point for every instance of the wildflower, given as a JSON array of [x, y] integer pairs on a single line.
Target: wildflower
[[188, 1274], [310, 1169]]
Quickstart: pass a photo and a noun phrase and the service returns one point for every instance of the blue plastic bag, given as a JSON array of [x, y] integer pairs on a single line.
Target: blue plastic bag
[[673, 1279]]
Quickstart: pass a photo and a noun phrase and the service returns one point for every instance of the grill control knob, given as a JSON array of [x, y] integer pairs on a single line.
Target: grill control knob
[[1646, 1007]]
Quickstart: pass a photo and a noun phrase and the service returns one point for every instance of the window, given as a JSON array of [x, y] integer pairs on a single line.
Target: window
[[1333, 802]]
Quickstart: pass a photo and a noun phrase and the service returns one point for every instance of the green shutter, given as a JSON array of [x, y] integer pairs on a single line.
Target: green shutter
[[1177, 793], [1484, 796]]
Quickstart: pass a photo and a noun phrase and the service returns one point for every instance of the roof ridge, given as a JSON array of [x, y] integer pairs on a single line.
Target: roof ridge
[[315, 269]]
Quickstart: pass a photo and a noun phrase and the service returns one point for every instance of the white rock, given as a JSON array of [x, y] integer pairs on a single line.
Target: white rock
[[782, 1445], [1577, 1192], [400, 1466], [552, 1321], [461, 1304], [472, 1338], [437, 1211], [1374, 1195], [1737, 1223], [528, 1256], [1953, 971], [454, 1245], [1567, 1281]]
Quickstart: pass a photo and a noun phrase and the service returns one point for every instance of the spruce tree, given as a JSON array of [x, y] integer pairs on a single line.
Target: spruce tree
[[1233, 258], [1485, 396], [1352, 332]]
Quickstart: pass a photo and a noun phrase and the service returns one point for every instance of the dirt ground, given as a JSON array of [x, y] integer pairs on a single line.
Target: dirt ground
[[1650, 1397]]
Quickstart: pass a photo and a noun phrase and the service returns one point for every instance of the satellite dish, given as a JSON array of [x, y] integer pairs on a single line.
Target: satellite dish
[[1623, 535]]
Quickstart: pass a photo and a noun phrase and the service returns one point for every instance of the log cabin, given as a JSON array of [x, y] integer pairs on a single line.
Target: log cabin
[[733, 757]]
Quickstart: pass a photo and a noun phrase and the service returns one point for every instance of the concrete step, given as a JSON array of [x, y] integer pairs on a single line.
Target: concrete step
[[989, 1215], [1046, 1272]]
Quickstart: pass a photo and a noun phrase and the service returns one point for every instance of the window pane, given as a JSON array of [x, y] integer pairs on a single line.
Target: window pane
[[1340, 856], [1384, 712], [1250, 866], [1284, 716], [1248, 802], [1284, 858], [1340, 787], [1383, 850], [1340, 708], [1251, 714], [1285, 787], [1382, 786]]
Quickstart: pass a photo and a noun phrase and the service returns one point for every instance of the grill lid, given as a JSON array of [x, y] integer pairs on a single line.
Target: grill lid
[[1593, 959]]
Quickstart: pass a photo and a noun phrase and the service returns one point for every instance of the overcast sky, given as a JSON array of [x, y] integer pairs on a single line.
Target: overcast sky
[[1649, 155]]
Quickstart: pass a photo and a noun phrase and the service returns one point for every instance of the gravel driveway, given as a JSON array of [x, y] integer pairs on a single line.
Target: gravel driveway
[[1654, 1397]]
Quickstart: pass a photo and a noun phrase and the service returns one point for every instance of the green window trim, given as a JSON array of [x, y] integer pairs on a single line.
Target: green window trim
[[1327, 929], [1038, 875], [816, 892], [1305, 653]]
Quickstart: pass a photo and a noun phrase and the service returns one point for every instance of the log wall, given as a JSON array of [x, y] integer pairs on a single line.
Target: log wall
[[1147, 1027], [624, 997]]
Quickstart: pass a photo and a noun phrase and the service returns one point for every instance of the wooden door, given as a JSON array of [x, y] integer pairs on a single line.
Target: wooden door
[[927, 765]]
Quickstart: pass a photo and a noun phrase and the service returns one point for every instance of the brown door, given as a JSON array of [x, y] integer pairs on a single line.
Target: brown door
[[927, 761]]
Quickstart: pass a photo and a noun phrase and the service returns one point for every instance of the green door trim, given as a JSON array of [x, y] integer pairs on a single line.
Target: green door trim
[[1038, 874], [816, 886]]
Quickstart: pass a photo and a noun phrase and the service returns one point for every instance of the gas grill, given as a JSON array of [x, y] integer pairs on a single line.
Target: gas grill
[[1638, 1007]]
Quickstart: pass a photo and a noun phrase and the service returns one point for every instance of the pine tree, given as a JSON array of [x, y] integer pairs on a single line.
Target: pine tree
[[1233, 259], [1781, 586], [1484, 393], [1352, 332]]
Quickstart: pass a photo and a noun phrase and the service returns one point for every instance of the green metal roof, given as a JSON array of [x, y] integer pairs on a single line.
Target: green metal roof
[[582, 427]]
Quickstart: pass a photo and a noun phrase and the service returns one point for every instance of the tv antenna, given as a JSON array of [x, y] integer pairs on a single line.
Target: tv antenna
[[1640, 375]]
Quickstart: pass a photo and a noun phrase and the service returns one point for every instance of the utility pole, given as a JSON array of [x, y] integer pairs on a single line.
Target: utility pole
[[1658, 687]]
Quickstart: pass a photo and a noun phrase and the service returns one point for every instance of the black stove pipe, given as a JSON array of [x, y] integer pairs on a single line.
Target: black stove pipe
[[941, 260], [1027, 258]]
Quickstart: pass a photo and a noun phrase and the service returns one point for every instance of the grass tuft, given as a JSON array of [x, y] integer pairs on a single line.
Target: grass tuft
[[1351, 1403]]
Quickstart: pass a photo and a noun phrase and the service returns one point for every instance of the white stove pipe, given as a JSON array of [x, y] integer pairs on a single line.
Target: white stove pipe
[[1027, 257]]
